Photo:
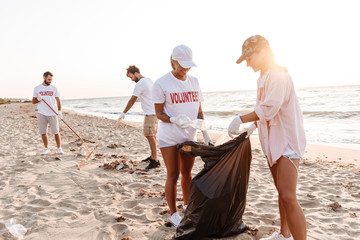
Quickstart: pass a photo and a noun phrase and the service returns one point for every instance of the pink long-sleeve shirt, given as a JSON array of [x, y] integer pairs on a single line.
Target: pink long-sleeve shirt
[[280, 119]]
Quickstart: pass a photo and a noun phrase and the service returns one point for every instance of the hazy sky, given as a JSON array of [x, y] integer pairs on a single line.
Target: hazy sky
[[89, 44]]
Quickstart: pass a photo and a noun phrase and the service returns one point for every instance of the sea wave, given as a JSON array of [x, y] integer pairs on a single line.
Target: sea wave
[[226, 113], [333, 114], [326, 114]]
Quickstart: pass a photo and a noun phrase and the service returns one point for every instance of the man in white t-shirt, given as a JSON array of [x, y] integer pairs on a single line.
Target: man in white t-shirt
[[143, 91], [50, 94]]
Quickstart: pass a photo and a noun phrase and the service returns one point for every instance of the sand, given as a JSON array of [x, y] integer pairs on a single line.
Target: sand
[[52, 199]]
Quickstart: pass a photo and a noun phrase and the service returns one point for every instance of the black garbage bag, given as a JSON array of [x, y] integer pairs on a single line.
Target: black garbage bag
[[218, 192]]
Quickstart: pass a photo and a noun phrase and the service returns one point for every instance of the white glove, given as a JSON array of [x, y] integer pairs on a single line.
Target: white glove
[[39, 98], [122, 116], [234, 126], [182, 121], [207, 138], [60, 115], [250, 129]]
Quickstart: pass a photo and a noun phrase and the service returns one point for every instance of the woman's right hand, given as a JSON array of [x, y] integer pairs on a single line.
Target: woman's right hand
[[182, 121], [234, 126]]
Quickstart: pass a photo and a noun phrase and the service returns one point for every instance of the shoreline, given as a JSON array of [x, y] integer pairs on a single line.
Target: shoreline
[[340, 155], [350, 146], [343, 155], [323, 153]]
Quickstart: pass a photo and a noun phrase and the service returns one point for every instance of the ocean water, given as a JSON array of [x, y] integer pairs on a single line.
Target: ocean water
[[331, 114]]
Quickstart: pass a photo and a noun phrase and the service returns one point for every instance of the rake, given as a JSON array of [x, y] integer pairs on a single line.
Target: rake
[[82, 163]]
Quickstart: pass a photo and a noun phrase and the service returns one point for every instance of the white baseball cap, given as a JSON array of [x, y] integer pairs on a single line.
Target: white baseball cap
[[183, 55]]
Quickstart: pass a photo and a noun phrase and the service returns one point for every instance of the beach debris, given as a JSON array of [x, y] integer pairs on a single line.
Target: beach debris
[[353, 215], [120, 218], [163, 212], [99, 155], [114, 145], [30, 154], [17, 230], [55, 196], [83, 162], [168, 224], [126, 238], [257, 150], [142, 175], [88, 141], [164, 204], [348, 186], [310, 196], [129, 164], [81, 151], [120, 164], [151, 193], [159, 185], [252, 231], [57, 158], [334, 206], [81, 154]]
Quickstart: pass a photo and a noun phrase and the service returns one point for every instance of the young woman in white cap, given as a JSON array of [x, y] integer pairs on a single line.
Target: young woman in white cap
[[177, 98], [279, 120]]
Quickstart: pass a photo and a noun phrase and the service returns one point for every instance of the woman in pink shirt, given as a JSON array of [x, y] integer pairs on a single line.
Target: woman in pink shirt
[[279, 120]]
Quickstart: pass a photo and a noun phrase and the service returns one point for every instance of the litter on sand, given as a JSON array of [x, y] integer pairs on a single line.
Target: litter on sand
[[17, 230]]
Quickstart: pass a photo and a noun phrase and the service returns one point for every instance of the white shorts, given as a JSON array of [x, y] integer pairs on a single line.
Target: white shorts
[[290, 154], [163, 144], [43, 122]]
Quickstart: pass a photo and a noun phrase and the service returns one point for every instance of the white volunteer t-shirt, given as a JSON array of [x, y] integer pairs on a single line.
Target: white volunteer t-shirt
[[180, 97], [48, 93], [143, 90]]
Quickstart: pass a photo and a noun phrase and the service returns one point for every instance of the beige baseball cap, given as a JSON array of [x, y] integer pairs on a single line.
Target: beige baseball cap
[[183, 55], [251, 45]]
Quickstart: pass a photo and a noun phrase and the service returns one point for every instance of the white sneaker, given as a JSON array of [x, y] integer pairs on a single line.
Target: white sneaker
[[175, 219], [277, 236], [45, 151], [60, 151]]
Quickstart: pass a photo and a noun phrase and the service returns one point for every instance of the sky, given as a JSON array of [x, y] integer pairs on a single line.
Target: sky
[[88, 44]]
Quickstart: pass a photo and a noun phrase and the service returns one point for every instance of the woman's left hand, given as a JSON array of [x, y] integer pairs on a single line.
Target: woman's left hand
[[249, 130], [207, 139]]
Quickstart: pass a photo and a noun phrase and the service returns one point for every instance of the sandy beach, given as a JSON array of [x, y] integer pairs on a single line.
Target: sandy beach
[[52, 199]]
